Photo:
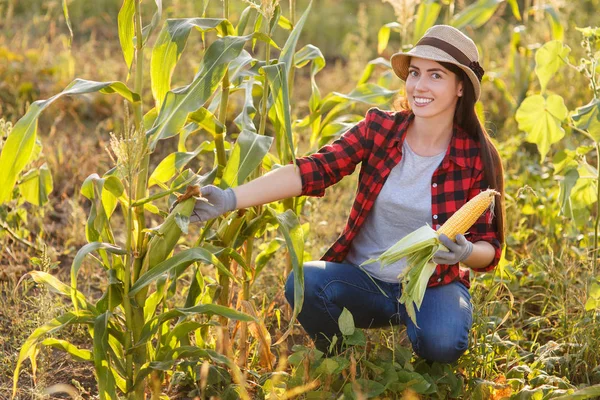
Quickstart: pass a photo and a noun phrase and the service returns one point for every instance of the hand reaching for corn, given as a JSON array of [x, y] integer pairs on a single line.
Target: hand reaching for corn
[[212, 203]]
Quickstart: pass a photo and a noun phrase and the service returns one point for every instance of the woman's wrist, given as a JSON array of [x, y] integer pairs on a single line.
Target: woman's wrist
[[482, 255]]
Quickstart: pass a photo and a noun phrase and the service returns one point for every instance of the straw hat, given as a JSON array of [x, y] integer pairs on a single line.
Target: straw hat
[[446, 44]]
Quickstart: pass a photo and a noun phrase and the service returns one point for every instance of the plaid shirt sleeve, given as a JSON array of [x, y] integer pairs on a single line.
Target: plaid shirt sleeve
[[334, 161], [484, 228]]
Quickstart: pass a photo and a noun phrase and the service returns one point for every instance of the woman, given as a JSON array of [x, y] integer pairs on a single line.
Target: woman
[[418, 166]]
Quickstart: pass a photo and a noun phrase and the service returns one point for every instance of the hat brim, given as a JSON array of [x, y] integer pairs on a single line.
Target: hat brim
[[401, 61]]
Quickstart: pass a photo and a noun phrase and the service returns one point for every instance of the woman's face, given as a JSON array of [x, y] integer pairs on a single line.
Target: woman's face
[[432, 90]]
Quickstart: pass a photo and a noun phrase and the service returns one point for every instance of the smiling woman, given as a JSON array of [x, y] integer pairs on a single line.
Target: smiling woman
[[419, 166]]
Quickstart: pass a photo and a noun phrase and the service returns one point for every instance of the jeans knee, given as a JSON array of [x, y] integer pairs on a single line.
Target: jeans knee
[[289, 289], [441, 348]]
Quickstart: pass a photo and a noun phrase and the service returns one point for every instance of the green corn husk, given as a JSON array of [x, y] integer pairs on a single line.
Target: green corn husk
[[419, 247]]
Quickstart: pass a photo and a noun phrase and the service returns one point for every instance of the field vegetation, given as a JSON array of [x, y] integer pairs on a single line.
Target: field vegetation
[[110, 111]]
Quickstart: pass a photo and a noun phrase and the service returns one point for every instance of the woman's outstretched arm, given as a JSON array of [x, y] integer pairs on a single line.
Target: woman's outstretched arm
[[278, 184]]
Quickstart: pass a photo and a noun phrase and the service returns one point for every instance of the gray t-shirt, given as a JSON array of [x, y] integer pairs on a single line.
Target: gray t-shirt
[[402, 206]]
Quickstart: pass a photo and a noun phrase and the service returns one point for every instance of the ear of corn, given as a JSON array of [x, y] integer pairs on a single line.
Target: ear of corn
[[420, 246], [468, 214]]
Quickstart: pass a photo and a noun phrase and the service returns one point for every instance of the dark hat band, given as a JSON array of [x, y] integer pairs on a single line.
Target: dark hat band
[[455, 53]]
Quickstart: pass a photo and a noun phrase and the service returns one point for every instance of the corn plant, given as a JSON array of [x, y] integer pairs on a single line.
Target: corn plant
[[138, 335]]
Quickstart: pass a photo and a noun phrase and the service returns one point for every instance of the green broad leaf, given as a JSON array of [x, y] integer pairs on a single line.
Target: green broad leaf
[[169, 46], [247, 155], [383, 36], [75, 352], [127, 30], [476, 15], [36, 185], [19, 146], [78, 260], [548, 59], [152, 326], [593, 296], [541, 119], [346, 322], [584, 193], [29, 348], [278, 82], [180, 102], [368, 387], [327, 367], [590, 392], [587, 118], [558, 32], [169, 167], [107, 389], [289, 49], [414, 380], [56, 286], [566, 186], [178, 261], [427, 14]]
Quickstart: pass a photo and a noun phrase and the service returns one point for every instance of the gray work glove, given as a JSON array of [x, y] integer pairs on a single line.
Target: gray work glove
[[215, 202], [458, 251]]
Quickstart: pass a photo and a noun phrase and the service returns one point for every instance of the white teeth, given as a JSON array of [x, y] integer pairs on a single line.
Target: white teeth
[[421, 100]]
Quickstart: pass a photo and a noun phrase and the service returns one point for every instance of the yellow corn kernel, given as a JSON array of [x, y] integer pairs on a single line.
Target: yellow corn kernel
[[468, 214]]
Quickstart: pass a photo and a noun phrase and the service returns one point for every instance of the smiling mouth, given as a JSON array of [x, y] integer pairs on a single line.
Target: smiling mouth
[[422, 101]]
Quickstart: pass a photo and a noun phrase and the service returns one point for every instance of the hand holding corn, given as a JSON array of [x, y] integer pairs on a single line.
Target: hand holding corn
[[420, 246], [215, 202], [459, 251]]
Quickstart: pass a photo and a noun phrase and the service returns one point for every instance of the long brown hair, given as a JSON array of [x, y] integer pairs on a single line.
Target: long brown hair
[[466, 117]]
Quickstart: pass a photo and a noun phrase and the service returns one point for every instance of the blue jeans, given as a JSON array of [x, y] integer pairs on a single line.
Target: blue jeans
[[444, 320]]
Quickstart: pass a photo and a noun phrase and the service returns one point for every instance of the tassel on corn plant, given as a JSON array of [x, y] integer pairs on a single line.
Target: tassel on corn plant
[[419, 247]]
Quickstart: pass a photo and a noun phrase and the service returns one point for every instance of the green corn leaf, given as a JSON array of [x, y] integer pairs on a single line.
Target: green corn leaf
[[291, 229], [152, 326], [427, 14], [75, 352], [368, 71], [56, 286], [179, 260], [148, 29], [383, 37], [170, 166], [368, 93], [78, 260], [19, 146], [566, 187], [127, 30], [289, 49], [36, 185], [104, 373], [541, 118], [247, 155], [65, 7], [514, 6], [180, 102], [590, 392], [245, 120], [169, 46], [29, 348], [206, 120], [175, 356], [278, 83], [558, 32], [307, 54], [476, 15]]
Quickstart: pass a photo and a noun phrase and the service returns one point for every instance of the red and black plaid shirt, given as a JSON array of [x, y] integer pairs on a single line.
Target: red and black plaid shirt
[[376, 142]]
